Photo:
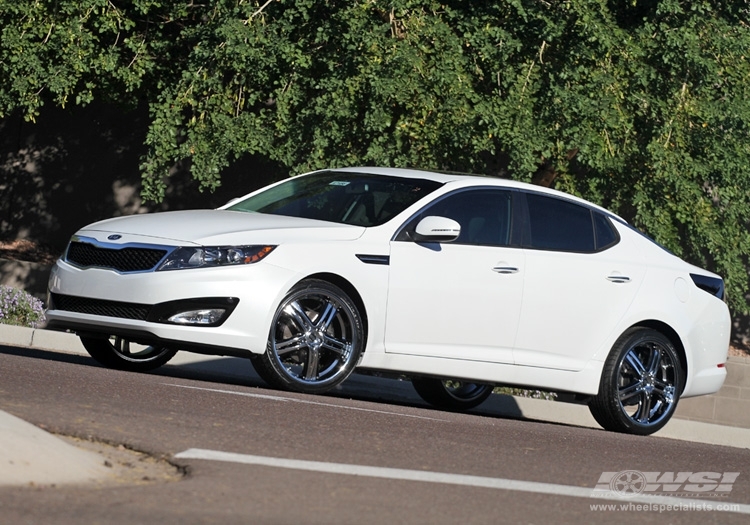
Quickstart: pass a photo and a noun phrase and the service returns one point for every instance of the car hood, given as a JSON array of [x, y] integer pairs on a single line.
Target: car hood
[[217, 227]]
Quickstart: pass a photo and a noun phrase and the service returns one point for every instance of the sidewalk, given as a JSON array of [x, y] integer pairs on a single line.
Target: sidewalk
[[29, 455]]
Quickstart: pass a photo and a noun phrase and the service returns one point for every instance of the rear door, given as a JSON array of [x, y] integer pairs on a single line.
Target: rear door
[[580, 280]]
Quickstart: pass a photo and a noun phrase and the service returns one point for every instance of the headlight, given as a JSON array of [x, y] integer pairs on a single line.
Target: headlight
[[213, 256]]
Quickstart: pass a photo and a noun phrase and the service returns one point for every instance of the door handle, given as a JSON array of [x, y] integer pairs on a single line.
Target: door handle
[[619, 279], [505, 269]]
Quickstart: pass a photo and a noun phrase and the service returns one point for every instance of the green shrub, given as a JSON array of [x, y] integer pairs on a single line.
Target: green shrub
[[19, 308]]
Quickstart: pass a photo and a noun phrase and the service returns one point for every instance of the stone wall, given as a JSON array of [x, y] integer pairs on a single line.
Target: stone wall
[[27, 276], [730, 405]]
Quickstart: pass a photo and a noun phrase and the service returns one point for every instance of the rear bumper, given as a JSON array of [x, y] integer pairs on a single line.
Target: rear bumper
[[708, 342]]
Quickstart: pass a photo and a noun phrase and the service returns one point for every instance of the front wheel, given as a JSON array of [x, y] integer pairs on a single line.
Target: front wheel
[[315, 341], [451, 394], [641, 383], [121, 354]]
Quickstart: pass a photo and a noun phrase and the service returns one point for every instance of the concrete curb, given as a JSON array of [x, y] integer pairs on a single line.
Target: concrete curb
[[30, 455], [40, 339], [681, 429]]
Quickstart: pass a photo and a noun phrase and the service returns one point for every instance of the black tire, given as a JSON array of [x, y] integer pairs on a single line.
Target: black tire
[[115, 352], [263, 373], [451, 394], [641, 383], [315, 341]]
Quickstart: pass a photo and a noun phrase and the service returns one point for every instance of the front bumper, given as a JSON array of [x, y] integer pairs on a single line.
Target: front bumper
[[137, 306]]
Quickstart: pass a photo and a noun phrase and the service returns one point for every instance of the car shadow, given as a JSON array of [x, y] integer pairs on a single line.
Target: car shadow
[[240, 372]]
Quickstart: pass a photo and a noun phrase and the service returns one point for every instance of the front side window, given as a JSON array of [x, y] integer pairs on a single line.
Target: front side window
[[359, 199], [483, 214]]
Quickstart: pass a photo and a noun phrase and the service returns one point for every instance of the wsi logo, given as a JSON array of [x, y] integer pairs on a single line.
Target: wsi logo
[[627, 483]]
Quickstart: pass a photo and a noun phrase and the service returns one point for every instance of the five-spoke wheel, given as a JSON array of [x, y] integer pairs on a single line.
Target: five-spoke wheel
[[451, 394], [119, 353], [641, 383], [315, 341]]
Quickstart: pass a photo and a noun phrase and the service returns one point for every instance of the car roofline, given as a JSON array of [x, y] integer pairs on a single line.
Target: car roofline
[[456, 179]]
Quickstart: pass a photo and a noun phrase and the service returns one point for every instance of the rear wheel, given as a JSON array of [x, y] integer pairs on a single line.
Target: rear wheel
[[641, 383], [451, 394], [315, 341], [119, 353]]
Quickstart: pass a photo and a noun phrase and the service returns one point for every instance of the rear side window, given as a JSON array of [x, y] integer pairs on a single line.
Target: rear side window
[[560, 225]]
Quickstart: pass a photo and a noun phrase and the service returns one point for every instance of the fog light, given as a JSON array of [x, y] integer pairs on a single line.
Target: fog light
[[198, 317]]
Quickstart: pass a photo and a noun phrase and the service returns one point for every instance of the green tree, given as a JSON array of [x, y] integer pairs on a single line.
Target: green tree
[[642, 106]]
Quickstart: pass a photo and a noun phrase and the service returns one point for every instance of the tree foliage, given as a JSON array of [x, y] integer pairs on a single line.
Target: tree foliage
[[640, 105]]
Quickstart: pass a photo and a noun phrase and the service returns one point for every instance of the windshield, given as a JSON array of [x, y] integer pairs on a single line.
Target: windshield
[[359, 199]]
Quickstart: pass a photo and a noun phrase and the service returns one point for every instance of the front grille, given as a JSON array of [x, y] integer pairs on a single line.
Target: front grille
[[128, 259], [84, 305]]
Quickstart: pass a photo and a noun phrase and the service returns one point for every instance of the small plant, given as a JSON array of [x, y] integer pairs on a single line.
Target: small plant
[[20, 308]]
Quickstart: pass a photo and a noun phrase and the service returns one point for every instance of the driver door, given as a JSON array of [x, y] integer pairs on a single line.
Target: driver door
[[462, 299]]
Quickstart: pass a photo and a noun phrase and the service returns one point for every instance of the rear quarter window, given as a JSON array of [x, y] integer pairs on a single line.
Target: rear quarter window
[[606, 234]]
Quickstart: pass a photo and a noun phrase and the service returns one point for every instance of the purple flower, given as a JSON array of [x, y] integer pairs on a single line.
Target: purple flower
[[20, 308]]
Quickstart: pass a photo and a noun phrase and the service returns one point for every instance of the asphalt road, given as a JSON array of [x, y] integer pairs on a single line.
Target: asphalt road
[[371, 452]]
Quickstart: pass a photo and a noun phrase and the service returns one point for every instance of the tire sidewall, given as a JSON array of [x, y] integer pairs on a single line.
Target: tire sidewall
[[433, 391], [609, 387], [104, 352]]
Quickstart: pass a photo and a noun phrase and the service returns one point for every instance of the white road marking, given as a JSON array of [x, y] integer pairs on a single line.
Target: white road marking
[[458, 479], [303, 401]]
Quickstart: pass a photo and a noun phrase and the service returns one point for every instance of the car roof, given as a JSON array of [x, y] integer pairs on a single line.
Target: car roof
[[461, 179], [411, 173]]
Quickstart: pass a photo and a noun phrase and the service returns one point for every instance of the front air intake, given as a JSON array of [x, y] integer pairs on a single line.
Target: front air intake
[[85, 305]]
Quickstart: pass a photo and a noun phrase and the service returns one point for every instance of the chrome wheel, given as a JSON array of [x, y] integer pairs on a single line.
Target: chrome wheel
[[315, 341], [451, 394], [119, 353], [641, 384]]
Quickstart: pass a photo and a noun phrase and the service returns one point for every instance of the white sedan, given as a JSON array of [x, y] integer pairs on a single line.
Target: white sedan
[[460, 282]]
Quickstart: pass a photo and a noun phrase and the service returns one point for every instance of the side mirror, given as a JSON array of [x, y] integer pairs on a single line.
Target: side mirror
[[437, 229]]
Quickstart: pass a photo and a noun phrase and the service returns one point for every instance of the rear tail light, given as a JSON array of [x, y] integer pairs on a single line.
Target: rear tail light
[[712, 285]]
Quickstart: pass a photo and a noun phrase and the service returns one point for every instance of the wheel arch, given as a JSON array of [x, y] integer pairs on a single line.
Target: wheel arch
[[351, 291], [671, 334]]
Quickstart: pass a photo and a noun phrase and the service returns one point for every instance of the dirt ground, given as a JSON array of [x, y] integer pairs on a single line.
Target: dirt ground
[[28, 251], [128, 466]]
